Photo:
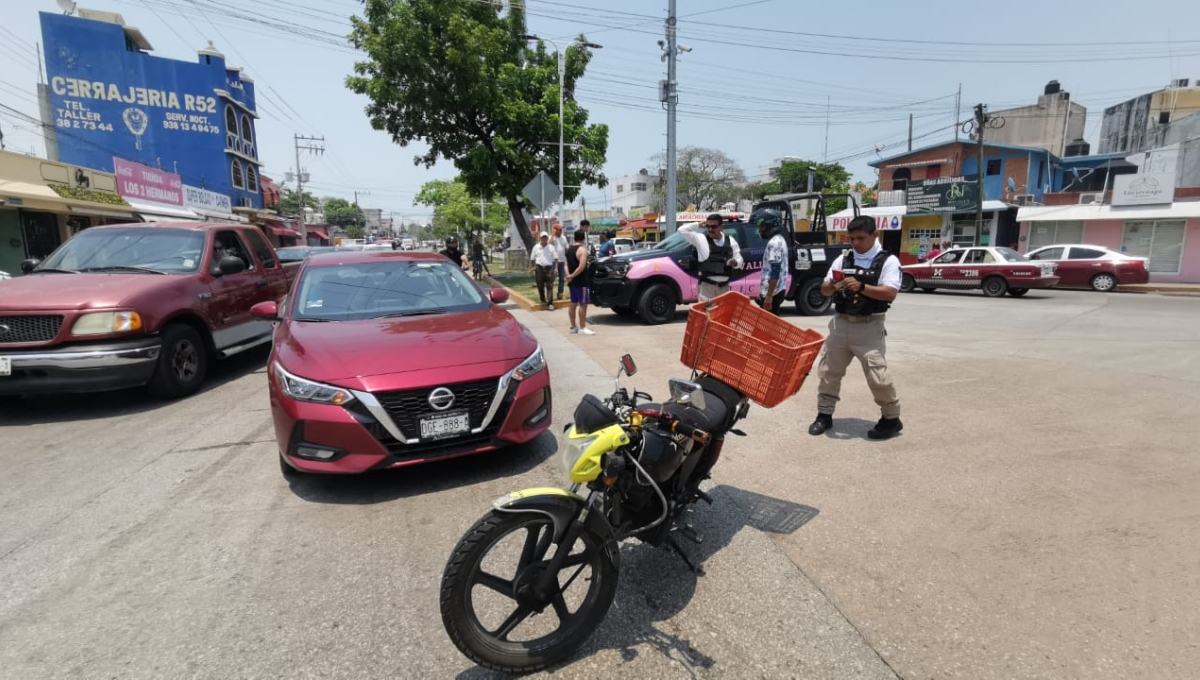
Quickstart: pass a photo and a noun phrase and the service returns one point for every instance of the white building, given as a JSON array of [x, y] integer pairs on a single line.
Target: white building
[[634, 191]]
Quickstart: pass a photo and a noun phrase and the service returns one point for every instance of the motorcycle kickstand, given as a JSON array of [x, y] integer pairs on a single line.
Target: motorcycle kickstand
[[695, 568]]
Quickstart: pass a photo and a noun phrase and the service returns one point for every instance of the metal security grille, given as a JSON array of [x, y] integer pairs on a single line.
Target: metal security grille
[[407, 407], [18, 329]]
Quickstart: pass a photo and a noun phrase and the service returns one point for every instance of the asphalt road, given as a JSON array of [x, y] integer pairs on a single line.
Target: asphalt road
[[1037, 519]]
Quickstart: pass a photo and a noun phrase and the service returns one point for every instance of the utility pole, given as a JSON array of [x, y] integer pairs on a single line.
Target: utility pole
[[981, 122], [957, 110], [910, 121], [825, 159], [314, 145], [670, 95]]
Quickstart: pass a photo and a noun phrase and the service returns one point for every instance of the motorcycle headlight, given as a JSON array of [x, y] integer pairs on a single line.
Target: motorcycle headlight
[[536, 362], [572, 450], [104, 323], [302, 389]]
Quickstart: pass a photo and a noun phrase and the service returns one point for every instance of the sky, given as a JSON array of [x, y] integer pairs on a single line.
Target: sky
[[764, 78]]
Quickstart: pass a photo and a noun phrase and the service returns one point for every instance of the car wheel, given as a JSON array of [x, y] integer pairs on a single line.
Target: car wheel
[[994, 286], [625, 311], [1104, 282], [928, 290], [907, 283], [1017, 292], [810, 301], [182, 363], [657, 304]]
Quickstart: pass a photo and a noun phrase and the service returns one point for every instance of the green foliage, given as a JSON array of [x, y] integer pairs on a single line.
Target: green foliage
[[289, 204], [85, 194], [455, 210], [792, 177], [355, 231], [460, 76], [341, 212]]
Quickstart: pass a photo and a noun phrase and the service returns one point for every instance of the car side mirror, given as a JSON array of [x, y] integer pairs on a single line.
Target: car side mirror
[[28, 265], [267, 311], [230, 265], [687, 392], [628, 365], [498, 296]]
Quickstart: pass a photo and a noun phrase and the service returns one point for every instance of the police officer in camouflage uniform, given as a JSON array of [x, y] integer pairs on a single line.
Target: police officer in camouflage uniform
[[864, 282]]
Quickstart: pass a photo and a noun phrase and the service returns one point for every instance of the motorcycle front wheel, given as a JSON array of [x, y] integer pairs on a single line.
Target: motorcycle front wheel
[[488, 605]]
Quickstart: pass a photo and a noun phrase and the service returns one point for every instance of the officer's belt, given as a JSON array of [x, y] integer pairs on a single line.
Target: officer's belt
[[862, 319]]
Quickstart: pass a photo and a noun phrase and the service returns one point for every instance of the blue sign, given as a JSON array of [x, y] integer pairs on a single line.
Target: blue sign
[[110, 97]]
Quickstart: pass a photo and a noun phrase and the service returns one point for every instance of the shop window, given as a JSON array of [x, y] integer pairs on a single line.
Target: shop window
[[247, 137], [1050, 233], [900, 179], [637, 186], [1159, 240], [993, 167], [933, 171], [620, 188], [251, 178], [236, 169]]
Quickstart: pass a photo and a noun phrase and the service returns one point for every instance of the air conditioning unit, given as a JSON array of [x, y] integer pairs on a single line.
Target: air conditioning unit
[[1091, 197], [1026, 199]]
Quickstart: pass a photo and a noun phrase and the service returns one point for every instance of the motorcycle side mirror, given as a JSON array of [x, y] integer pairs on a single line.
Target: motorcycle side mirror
[[687, 392], [628, 365]]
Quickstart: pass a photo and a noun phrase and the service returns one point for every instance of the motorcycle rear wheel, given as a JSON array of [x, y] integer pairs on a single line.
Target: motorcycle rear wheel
[[465, 573]]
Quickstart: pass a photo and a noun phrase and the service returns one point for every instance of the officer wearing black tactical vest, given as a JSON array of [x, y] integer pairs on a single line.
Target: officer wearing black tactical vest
[[864, 283], [717, 255]]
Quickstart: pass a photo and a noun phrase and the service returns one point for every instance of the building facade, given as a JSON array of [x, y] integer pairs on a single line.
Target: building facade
[[634, 191], [1143, 122], [109, 100], [1053, 123]]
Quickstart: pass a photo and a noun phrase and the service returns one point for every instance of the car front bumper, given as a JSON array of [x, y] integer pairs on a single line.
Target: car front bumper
[[361, 436], [612, 293], [81, 367]]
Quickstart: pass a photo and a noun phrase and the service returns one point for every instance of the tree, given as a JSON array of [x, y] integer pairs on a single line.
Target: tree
[[341, 212], [460, 76], [354, 231], [792, 178], [289, 204], [454, 209], [705, 178]]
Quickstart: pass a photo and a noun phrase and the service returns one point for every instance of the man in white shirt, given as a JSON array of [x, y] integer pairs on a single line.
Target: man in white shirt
[[717, 255], [864, 282], [560, 252], [541, 261]]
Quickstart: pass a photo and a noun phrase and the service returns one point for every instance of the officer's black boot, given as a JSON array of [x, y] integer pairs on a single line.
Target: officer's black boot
[[886, 428], [823, 422]]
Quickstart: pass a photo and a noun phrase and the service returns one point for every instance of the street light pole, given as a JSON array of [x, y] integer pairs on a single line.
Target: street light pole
[[561, 97]]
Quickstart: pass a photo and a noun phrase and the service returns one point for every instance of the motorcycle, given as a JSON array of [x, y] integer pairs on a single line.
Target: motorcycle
[[635, 467]]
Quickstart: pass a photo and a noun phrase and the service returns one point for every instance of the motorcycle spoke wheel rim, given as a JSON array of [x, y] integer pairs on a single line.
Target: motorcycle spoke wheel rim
[[512, 618]]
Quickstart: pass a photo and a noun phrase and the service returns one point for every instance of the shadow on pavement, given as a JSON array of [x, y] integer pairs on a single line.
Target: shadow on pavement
[[61, 408], [656, 585], [389, 485], [852, 428]]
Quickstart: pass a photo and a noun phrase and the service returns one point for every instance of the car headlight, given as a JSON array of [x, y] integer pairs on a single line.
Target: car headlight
[[105, 323], [536, 362], [302, 389], [618, 269]]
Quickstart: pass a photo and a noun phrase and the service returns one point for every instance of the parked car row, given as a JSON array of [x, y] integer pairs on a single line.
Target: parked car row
[[1003, 270]]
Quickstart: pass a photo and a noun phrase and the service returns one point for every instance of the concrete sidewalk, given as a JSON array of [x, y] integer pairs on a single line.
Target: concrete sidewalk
[[1165, 288]]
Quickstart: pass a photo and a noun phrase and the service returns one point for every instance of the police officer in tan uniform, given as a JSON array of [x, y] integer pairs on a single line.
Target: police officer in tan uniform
[[863, 282]]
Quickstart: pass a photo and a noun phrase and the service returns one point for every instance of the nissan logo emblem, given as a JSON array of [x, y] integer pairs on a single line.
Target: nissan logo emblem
[[441, 399]]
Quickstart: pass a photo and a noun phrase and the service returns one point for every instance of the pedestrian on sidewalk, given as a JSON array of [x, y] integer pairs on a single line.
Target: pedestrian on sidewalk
[[560, 255], [579, 281], [541, 261], [863, 283]]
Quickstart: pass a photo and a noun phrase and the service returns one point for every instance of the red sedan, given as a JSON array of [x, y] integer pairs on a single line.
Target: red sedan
[[995, 271], [1095, 267], [386, 359]]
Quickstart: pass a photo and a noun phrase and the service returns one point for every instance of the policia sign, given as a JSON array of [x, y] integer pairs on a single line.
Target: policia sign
[[942, 194]]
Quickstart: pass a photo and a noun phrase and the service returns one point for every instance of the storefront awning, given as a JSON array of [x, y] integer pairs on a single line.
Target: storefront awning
[[101, 212], [160, 212], [27, 190], [317, 234], [284, 231], [218, 216], [1054, 213]]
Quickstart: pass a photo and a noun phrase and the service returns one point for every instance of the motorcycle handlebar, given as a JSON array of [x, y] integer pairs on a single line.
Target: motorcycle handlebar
[[697, 435]]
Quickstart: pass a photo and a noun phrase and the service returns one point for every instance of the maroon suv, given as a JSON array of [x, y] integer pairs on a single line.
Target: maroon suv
[[137, 304]]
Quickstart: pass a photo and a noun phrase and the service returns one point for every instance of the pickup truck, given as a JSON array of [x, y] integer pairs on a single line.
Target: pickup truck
[[137, 304], [650, 283]]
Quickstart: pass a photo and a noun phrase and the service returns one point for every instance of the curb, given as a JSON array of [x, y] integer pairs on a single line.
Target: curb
[[1166, 289], [522, 301]]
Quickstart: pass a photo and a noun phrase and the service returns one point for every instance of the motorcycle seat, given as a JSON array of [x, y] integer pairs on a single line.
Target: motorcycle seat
[[713, 418]]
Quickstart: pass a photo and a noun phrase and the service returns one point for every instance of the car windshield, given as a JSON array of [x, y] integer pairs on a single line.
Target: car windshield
[[1011, 255], [293, 253], [672, 242], [386, 288], [154, 249]]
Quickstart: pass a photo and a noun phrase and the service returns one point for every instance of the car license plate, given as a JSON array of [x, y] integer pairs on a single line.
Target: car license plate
[[5, 366], [445, 425]]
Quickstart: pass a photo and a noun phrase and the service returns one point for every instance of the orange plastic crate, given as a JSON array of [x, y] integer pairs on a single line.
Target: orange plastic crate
[[749, 348]]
